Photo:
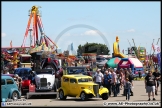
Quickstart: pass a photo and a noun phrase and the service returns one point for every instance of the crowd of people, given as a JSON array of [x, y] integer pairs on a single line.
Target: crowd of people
[[115, 80]]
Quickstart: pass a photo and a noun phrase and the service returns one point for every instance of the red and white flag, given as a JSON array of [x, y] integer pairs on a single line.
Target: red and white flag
[[156, 48]]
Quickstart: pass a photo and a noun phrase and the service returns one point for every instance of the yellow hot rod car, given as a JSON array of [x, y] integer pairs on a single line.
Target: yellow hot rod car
[[81, 86]]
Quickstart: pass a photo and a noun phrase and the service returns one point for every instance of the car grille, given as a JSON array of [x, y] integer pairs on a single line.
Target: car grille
[[96, 89], [43, 82]]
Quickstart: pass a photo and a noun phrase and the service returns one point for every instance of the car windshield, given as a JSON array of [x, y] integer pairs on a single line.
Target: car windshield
[[85, 80], [44, 72], [75, 71], [100, 59]]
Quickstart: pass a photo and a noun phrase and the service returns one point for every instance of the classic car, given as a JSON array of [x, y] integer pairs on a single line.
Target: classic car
[[78, 70], [81, 86], [101, 61], [11, 75], [24, 74], [9, 89], [45, 80]]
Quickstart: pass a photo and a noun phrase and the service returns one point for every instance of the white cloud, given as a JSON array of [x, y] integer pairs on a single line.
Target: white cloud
[[90, 33], [3, 34], [131, 30]]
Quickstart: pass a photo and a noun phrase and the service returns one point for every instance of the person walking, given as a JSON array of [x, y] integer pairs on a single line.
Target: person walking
[[127, 87], [98, 77], [118, 79], [131, 81], [158, 77], [122, 78], [113, 81], [107, 80], [150, 84], [18, 81]]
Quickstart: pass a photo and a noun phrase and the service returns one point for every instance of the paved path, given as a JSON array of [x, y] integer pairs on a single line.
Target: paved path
[[139, 96]]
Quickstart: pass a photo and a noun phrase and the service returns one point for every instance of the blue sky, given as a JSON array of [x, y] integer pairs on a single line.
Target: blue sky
[[137, 20]]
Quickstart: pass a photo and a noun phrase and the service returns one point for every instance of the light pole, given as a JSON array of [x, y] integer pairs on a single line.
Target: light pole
[[30, 30]]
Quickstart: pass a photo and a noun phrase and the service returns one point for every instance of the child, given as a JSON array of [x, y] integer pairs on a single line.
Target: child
[[127, 87]]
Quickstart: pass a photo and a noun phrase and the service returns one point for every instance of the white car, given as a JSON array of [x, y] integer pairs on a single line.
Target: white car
[[101, 61], [45, 79]]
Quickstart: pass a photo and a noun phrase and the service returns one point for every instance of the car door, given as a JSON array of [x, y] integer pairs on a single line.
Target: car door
[[73, 87], [9, 85], [3, 89]]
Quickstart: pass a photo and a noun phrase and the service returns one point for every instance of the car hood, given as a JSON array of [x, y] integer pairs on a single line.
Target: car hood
[[87, 83], [45, 76]]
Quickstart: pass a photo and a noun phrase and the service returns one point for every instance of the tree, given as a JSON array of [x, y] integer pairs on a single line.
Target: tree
[[98, 48]]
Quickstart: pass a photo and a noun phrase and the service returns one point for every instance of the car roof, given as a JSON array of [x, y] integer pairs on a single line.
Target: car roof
[[77, 76], [6, 77], [78, 67], [23, 68]]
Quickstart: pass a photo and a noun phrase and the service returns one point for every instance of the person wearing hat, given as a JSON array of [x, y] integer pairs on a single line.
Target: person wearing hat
[[127, 87], [158, 77], [98, 78], [150, 85]]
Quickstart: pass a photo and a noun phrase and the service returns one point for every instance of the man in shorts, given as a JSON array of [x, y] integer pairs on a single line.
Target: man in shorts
[[158, 77], [150, 83]]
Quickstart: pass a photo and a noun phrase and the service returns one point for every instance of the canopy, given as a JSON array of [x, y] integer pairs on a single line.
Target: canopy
[[113, 63]]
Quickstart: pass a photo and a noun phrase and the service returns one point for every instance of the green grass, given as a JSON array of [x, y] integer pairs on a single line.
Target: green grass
[[138, 79]]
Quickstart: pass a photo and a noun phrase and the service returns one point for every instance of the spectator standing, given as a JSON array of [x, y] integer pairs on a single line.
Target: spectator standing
[[150, 84], [18, 81], [131, 81], [127, 87], [140, 74], [103, 70], [109, 71], [122, 77], [98, 77], [107, 80], [113, 81], [158, 77], [118, 79]]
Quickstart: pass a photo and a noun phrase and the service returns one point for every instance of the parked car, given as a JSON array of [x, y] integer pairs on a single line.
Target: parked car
[[45, 80], [24, 74], [9, 89], [81, 86], [101, 61], [11, 75], [78, 70]]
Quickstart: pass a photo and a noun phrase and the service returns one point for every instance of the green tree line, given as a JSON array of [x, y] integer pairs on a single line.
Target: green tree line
[[98, 48]]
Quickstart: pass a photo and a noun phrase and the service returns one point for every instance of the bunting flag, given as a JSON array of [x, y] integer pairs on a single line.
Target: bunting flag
[[159, 58], [11, 44]]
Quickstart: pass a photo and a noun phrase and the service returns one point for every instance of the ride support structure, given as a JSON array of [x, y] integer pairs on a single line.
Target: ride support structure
[[35, 23]]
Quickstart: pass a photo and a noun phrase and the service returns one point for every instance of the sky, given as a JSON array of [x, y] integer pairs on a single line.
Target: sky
[[127, 20]]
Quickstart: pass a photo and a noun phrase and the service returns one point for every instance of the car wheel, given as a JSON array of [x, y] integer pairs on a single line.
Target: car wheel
[[15, 95], [105, 96], [83, 96], [61, 95]]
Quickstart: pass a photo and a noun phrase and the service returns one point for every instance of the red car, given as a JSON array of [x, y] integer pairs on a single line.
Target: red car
[[24, 74]]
